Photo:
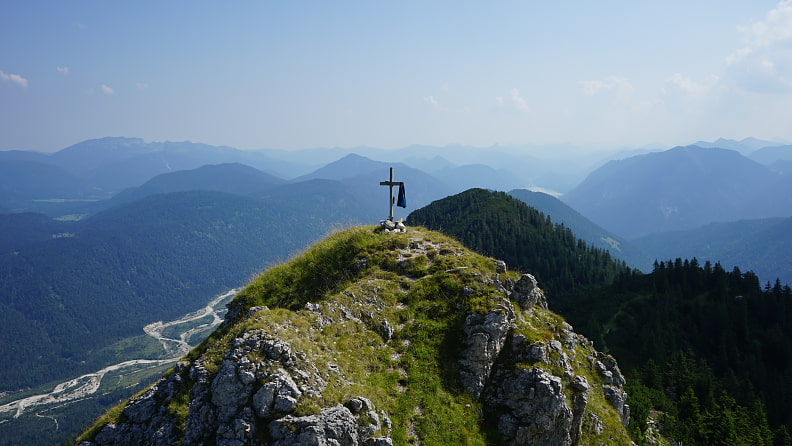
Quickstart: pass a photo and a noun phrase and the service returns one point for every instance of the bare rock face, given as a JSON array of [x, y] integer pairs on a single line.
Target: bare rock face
[[527, 293], [335, 425], [231, 406], [533, 407], [484, 339]]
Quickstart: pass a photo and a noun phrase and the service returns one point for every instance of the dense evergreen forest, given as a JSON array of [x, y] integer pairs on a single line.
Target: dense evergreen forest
[[707, 352], [711, 346]]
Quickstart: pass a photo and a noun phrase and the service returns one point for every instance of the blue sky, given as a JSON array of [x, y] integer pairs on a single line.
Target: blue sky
[[278, 74]]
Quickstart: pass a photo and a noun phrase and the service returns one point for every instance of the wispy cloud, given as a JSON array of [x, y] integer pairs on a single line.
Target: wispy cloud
[[764, 62], [141, 85], [615, 83], [518, 101], [107, 90], [63, 70], [433, 102], [442, 108], [14, 79], [691, 87]]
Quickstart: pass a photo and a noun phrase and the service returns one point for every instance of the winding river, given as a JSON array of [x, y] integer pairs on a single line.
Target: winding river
[[86, 385]]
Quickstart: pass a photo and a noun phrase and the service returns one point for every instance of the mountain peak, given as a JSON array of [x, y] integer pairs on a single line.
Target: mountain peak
[[374, 338]]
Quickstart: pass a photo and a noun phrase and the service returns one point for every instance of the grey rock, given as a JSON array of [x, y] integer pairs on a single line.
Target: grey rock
[[359, 404], [360, 265], [386, 331], [609, 370], [333, 426], [533, 408], [264, 399], [228, 391], [595, 425], [284, 403], [616, 397], [579, 383], [485, 336], [527, 293]]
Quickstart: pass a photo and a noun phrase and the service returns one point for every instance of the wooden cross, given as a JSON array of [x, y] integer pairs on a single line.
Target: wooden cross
[[391, 199]]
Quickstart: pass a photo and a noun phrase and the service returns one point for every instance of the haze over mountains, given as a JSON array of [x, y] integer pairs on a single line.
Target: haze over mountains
[[679, 189], [182, 221]]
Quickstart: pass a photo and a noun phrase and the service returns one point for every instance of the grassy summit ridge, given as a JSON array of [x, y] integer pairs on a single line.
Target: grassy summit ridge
[[381, 316]]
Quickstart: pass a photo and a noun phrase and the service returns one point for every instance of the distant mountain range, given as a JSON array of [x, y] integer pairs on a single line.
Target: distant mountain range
[[584, 228], [769, 156], [744, 146], [761, 246], [679, 189]]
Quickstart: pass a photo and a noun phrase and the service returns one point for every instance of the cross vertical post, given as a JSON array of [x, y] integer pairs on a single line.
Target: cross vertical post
[[390, 183]]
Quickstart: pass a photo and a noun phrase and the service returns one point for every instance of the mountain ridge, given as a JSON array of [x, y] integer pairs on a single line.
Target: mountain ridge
[[681, 188]]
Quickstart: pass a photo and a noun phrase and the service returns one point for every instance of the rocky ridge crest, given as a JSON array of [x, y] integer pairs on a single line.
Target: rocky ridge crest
[[416, 339]]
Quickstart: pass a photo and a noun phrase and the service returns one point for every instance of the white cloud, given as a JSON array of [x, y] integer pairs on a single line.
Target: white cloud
[[14, 79], [107, 90], [518, 101], [64, 70], [617, 84], [440, 107], [433, 101], [764, 63], [691, 87], [590, 88], [141, 85]]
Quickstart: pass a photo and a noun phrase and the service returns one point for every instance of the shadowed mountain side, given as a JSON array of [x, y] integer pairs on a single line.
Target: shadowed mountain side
[[22, 182], [233, 178], [331, 200], [481, 176], [745, 146], [584, 229], [681, 188], [769, 155], [761, 246], [19, 230], [118, 163], [349, 166]]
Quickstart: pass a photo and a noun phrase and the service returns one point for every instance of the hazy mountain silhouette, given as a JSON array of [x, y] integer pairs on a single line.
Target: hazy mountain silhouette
[[761, 246], [584, 228], [681, 188], [233, 178], [769, 155]]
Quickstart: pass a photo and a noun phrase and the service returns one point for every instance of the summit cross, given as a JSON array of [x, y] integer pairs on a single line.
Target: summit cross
[[402, 201]]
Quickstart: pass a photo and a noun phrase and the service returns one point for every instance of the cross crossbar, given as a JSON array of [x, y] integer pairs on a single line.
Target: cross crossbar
[[391, 199]]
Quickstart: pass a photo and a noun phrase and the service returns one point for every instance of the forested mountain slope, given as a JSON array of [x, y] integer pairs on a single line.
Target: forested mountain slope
[[494, 222], [69, 290], [585, 229], [708, 346]]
